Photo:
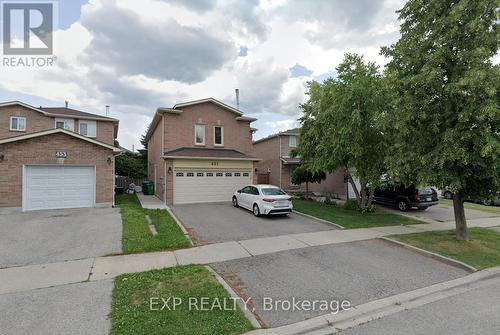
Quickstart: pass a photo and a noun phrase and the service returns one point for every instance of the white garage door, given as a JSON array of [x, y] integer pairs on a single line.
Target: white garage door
[[208, 186], [51, 187]]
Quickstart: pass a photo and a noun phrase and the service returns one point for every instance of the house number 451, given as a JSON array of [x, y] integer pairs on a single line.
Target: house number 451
[[215, 163]]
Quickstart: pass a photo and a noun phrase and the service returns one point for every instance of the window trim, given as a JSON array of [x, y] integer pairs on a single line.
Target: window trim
[[221, 136], [87, 122], [59, 119], [196, 127], [18, 118], [290, 141]]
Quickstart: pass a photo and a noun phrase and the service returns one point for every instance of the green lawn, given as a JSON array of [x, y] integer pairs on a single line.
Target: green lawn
[[471, 205], [137, 237], [350, 218], [131, 313], [481, 251]]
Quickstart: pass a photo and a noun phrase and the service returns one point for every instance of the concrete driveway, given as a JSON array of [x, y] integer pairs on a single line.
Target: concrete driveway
[[443, 213], [219, 222], [357, 272], [69, 309], [57, 235]]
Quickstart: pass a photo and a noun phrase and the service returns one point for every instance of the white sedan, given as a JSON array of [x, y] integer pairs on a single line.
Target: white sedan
[[263, 199]]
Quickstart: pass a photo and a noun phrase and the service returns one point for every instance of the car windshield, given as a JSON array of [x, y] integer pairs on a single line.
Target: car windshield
[[273, 191]]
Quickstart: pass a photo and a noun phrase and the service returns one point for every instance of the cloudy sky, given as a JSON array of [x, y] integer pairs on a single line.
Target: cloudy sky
[[138, 55]]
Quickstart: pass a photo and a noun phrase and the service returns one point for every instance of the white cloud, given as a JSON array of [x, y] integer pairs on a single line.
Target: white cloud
[[138, 55]]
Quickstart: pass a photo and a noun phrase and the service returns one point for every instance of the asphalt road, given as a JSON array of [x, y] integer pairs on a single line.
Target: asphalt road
[[57, 235], [474, 312], [220, 222], [77, 309], [357, 272]]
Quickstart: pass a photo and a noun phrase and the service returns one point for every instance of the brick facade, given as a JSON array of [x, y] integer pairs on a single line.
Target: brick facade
[[272, 149], [41, 151], [174, 131], [36, 121]]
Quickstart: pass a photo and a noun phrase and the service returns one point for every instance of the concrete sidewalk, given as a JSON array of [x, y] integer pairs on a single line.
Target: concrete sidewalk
[[23, 278]]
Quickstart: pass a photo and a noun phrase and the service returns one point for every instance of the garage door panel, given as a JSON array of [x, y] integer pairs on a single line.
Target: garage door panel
[[212, 188], [52, 187]]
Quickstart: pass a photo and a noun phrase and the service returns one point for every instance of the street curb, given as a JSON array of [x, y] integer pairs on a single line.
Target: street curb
[[249, 315], [434, 255], [318, 219], [181, 226]]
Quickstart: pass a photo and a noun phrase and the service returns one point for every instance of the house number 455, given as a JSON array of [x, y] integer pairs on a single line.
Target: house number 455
[[61, 154]]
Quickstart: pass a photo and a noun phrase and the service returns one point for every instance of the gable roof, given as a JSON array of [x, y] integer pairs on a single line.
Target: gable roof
[[55, 131], [289, 132], [63, 111], [59, 111], [177, 109], [212, 100]]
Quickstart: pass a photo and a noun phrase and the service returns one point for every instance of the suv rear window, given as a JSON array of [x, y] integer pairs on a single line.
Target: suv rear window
[[273, 191]]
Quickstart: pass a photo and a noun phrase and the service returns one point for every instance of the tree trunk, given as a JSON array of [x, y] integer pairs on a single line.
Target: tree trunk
[[370, 199], [462, 232], [307, 187], [363, 197], [353, 184]]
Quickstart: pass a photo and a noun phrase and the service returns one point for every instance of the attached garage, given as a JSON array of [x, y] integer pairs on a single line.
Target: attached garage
[[196, 175], [56, 169], [194, 186], [53, 186]]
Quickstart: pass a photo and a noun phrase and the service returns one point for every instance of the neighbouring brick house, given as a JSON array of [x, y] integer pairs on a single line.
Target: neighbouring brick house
[[55, 157], [200, 151], [277, 165]]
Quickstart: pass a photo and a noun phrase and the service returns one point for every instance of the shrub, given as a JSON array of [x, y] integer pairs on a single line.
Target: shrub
[[351, 204]]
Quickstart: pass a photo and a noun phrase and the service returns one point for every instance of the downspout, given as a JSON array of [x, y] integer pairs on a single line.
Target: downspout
[[281, 163], [164, 161], [114, 178]]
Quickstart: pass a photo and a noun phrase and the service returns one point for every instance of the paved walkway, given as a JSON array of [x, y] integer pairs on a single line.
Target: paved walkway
[[150, 201], [23, 278]]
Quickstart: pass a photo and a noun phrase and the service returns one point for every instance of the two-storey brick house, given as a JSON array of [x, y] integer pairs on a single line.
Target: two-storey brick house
[[55, 157], [277, 165], [200, 151]]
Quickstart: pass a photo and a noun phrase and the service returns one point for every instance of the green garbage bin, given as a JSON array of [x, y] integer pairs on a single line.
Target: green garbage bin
[[148, 188]]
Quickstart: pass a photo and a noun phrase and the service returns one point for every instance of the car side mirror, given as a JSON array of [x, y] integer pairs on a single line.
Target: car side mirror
[[239, 191]]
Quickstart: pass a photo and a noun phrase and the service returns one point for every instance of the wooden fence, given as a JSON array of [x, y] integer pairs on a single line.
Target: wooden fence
[[124, 181]]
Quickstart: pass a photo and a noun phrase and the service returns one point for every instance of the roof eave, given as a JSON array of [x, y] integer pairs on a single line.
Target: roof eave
[[211, 158]]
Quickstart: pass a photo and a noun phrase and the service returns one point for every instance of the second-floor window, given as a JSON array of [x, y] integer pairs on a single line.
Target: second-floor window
[[68, 124], [199, 134], [292, 141], [88, 128], [218, 135], [17, 123]]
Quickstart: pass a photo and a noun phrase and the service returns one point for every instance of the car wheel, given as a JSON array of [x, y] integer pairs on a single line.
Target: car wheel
[[235, 202], [403, 205], [448, 195], [487, 202], [256, 210]]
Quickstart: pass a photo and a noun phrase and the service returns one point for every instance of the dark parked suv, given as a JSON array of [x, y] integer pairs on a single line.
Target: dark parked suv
[[405, 198]]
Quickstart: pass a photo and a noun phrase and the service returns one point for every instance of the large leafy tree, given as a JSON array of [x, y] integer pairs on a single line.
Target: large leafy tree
[[445, 127], [341, 125]]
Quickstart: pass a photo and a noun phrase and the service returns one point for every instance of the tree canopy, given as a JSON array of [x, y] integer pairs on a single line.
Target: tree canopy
[[445, 124], [341, 125]]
